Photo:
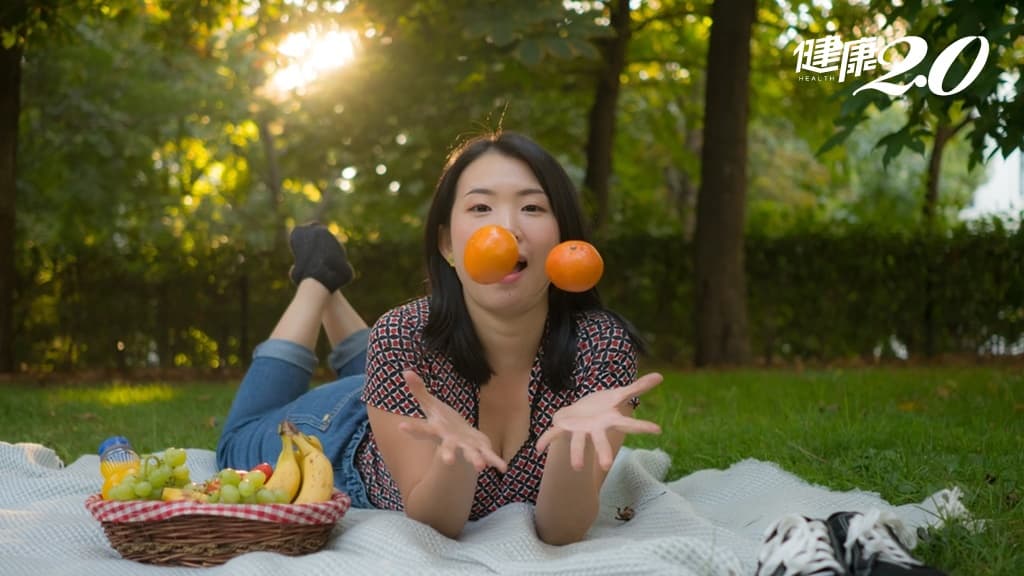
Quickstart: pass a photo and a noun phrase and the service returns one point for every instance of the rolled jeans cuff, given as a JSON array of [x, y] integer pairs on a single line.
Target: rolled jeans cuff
[[348, 350], [288, 351]]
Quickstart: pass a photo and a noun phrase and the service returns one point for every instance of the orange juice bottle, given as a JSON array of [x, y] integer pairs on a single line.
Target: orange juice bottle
[[117, 455]]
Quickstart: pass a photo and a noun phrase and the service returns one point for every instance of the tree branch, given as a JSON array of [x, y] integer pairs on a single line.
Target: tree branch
[[960, 125], [664, 16]]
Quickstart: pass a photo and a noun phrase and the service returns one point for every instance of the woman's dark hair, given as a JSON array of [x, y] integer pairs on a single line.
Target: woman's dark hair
[[449, 329]]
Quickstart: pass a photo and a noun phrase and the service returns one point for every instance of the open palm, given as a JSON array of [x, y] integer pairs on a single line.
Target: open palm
[[593, 416], [449, 430]]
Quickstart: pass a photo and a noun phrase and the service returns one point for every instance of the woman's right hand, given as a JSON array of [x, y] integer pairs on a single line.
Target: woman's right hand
[[449, 430]]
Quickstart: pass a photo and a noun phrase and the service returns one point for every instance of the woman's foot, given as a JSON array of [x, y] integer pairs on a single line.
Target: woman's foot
[[320, 256]]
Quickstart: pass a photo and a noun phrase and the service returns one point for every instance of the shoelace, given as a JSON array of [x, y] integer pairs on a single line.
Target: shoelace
[[799, 546], [949, 506], [881, 534]]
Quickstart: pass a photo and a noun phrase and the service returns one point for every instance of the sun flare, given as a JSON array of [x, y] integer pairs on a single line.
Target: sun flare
[[310, 54]]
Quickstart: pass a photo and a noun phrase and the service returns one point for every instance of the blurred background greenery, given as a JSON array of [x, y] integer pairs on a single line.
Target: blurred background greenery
[[165, 148]]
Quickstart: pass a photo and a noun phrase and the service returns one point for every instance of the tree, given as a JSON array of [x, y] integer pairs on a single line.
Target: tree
[[993, 112], [601, 135], [645, 103], [19, 19], [10, 107], [720, 282], [959, 36]]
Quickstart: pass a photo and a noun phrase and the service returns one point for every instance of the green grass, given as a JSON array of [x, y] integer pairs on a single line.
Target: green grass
[[901, 432], [73, 420]]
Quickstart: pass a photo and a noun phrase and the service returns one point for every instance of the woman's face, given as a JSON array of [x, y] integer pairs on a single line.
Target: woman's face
[[498, 189]]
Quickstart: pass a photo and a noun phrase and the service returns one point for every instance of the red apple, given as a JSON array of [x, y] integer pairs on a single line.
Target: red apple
[[264, 467]]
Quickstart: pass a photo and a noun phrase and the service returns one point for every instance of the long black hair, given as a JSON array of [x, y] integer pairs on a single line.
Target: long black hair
[[449, 329]]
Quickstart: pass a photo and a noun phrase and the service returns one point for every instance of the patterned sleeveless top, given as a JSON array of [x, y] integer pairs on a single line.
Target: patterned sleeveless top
[[605, 358]]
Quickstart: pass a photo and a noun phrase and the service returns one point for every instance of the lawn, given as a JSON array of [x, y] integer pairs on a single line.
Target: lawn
[[902, 432]]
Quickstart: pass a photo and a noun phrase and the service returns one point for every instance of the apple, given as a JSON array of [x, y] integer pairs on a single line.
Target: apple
[[264, 467]]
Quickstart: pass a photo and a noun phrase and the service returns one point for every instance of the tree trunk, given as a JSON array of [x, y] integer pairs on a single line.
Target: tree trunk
[[243, 318], [10, 110], [944, 132], [931, 194], [931, 201], [601, 131], [683, 188], [163, 326], [721, 305], [273, 178]]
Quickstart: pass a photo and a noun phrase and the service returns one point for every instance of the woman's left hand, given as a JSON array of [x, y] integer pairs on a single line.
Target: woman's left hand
[[594, 416]]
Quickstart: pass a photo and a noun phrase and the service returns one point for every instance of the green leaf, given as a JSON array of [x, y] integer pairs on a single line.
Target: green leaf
[[917, 145], [474, 28], [834, 140], [9, 39], [583, 48], [853, 106], [530, 51], [894, 144], [502, 34], [559, 48]]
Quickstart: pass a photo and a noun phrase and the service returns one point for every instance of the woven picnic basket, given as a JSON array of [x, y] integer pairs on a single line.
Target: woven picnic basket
[[198, 534]]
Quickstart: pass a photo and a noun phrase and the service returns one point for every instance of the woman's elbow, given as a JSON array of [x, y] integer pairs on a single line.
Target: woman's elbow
[[452, 532], [448, 529], [564, 530], [561, 537]]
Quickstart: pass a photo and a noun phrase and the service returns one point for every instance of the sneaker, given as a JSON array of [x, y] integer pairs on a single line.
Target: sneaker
[[318, 255], [876, 543], [795, 545]]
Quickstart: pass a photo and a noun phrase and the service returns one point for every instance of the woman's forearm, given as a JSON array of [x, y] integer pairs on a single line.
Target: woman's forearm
[[444, 497], [568, 500]]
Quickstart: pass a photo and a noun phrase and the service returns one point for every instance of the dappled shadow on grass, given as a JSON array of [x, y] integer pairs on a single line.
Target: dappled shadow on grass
[[73, 420], [119, 394], [169, 376]]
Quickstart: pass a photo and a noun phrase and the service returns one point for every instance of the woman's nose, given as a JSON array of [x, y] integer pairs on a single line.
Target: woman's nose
[[510, 221]]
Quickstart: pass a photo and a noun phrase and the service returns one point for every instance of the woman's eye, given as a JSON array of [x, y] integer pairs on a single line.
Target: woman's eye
[[479, 208], [533, 208]]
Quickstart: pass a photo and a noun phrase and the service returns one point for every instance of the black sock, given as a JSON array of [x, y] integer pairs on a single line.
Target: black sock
[[320, 256]]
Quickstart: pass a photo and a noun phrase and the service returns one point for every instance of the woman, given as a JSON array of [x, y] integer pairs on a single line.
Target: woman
[[474, 397]]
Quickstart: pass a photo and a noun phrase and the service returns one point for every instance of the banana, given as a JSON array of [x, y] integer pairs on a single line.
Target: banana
[[315, 441], [287, 476], [317, 471]]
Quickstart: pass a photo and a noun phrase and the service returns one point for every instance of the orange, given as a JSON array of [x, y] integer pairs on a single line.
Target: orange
[[574, 266], [491, 254]]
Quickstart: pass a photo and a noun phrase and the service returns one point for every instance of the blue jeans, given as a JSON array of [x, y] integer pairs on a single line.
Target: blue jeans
[[276, 388]]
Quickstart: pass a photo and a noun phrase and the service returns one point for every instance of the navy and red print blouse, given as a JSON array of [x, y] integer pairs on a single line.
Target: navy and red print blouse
[[605, 358]]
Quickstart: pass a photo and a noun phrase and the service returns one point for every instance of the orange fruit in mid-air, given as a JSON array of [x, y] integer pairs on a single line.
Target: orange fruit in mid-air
[[574, 266], [491, 254]]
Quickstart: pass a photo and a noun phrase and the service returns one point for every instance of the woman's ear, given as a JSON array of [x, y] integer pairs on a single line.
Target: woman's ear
[[444, 244]]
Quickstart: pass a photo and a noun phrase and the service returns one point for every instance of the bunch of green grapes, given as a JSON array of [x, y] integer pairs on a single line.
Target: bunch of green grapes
[[155, 473], [240, 487]]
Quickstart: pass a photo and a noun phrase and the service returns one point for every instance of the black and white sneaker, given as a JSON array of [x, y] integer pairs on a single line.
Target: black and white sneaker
[[876, 543], [798, 546]]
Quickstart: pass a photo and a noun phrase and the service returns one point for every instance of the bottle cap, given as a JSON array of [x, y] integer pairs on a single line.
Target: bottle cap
[[113, 441]]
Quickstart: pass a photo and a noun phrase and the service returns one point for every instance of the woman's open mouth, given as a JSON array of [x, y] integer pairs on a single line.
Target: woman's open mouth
[[516, 272]]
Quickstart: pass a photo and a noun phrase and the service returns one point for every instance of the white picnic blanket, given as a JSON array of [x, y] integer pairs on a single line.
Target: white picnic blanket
[[707, 523]]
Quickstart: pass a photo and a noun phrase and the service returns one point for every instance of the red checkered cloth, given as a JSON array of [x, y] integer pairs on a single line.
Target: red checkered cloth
[[327, 512]]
